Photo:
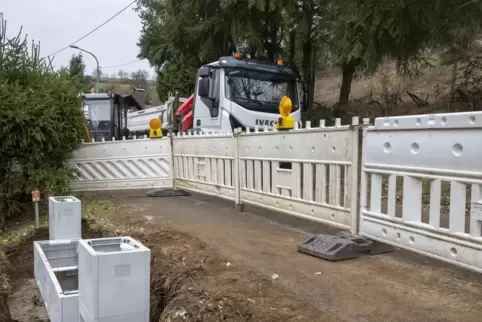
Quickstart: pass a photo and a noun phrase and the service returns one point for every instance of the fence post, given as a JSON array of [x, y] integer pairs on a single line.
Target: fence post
[[363, 175], [237, 183], [173, 168], [354, 211]]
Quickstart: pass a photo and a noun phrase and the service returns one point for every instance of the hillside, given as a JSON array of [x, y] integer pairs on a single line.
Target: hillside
[[124, 86], [432, 82], [384, 93]]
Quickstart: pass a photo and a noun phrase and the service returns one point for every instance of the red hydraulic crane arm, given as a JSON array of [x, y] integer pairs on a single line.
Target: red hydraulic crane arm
[[185, 111], [186, 106]]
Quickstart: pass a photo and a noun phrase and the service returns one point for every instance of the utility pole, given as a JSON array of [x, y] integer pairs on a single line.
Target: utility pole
[[96, 60]]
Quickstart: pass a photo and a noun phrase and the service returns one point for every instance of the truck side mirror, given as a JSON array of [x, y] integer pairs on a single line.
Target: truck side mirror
[[203, 88], [204, 71]]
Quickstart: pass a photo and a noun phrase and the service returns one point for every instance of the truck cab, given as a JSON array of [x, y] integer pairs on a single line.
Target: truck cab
[[243, 93]]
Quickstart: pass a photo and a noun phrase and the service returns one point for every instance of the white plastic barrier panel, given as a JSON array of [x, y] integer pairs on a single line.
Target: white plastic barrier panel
[[206, 163], [127, 164], [413, 168], [309, 173]]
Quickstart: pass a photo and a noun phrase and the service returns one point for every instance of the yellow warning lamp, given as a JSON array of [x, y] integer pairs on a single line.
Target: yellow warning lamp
[[237, 55], [286, 121], [281, 62], [155, 126]]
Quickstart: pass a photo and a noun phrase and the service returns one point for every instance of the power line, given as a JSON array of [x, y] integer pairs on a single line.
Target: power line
[[115, 66], [92, 31]]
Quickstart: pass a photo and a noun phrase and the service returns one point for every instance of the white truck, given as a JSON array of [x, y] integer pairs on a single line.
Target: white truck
[[243, 93]]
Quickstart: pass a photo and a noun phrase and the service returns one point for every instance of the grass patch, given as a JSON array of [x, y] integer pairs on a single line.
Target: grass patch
[[21, 233], [97, 216]]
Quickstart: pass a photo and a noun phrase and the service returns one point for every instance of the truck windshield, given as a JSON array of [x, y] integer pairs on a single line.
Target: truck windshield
[[260, 91], [99, 118]]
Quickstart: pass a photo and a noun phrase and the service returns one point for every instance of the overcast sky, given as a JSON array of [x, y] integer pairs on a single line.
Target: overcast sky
[[57, 23]]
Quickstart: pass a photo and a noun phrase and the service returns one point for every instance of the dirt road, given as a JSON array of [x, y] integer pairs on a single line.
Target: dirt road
[[400, 286]]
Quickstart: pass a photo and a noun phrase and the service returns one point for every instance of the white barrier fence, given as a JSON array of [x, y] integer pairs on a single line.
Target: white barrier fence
[[437, 157], [127, 164], [308, 173], [304, 172], [205, 164], [412, 166]]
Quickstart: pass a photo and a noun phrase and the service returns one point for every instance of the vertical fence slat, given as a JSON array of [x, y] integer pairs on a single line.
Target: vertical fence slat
[[392, 195], [376, 193], [274, 177], [296, 173], [434, 208], [458, 196], [475, 225], [257, 175], [208, 170], [192, 168], [242, 174], [214, 170], [475, 191], [220, 171], [307, 181], [412, 199], [176, 167], [319, 189], [185, 168], [266, 177], [198, 167], [250, 175], [227, 173], [346, 186], [331, 184], [337, 189], [323, 188]]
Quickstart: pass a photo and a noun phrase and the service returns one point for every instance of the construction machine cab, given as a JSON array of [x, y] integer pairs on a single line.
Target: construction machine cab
[[106, 115]]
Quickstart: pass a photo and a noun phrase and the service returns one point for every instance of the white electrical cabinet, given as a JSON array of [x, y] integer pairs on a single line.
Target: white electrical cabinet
[[65, 218], [114, 280], [56, 274]]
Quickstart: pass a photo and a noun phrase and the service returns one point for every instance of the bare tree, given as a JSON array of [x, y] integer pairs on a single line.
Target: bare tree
[[123, 75]]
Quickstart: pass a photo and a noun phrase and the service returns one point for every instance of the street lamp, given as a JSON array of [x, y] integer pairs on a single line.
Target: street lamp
[[97, 61]]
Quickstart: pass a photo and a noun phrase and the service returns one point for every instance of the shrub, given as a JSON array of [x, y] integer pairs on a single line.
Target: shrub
[[40, 124]]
